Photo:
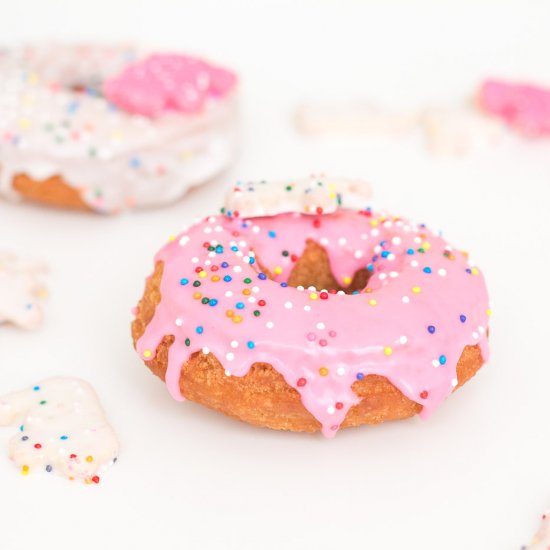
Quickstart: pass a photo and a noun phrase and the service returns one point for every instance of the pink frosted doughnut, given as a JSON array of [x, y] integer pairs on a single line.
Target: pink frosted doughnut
[[224, 292]]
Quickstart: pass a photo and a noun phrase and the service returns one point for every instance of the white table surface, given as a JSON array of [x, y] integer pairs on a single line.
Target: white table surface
[[474, 476]]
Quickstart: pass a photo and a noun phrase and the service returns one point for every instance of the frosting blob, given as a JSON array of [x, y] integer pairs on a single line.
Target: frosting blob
[[62, 429], [56, 121], [224, 291]]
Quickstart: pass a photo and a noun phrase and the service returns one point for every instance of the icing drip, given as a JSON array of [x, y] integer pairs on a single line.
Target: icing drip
[[541, 541], [163, 83], [21, 292], [315, 195], [524, 107], [423, 304], [62, 429], [54, 120]]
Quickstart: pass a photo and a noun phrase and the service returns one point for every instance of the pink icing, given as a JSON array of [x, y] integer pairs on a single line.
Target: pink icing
[[319, 341], [168, 82], [522, 106]]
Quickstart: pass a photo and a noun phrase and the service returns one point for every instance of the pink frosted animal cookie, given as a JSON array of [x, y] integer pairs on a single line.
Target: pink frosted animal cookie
[[168, 82], [62, 428], [21, 292], [524, 107], [541, 541]]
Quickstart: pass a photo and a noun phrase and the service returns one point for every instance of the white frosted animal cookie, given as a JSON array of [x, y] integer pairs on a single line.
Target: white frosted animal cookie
[[458, 130], [62, 428], [352, 117], [541, 541], [314, 195], [21, 291]]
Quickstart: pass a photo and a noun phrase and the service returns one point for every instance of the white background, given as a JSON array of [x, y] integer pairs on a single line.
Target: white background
[[476, 475]]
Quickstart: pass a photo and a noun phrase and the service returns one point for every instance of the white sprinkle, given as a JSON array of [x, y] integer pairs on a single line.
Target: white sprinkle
[[403, 340], [207, 262], [270, 324], [255, 289], [417, 240], [475, 335], [375, 232], [184, 240], [312, 289], [377, 249], [436, 363], [388, 223], [213, 254], [214, 242], [194, 260], [237, 269], [396, 240], [227, 373], [208, 230], [288, 305], [414, 263], [307, 308], [251, 299], [300, 288], [242, 243], [246, 260], [234, 344], [394, 274], [324, 241], [256, 229], [442, 272], [320, 326], [358, 254], [230, 356], [331, 410], [382, 276], [391, 257], [211, 219], [341, 293], [340, 371], [454, 382], [405, 299], [481, 329], [179, 322], [205, 350], [228, 294], [364, 236], [342, 241], [218, 229]]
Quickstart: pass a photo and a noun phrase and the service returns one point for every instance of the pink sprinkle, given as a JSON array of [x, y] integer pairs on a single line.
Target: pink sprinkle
[[323, 342], [310, 336], [168, 82], [332, 333]]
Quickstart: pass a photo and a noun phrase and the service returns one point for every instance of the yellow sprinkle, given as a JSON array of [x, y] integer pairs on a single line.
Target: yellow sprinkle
[[313, 296], [147, 353], [202, 274], [88, 481], [229, 313], [416, 289], [278, 270], [24, 123], [347, 280], [372, 302], [489, 312], [89, 459], [237, 318], [426, 245], [43, 293], [331, 186], [368, 290], [246, 292], [388, 350], [475, 271], [374, 223], [332, 195], [25, 470], [172, 238], [323, 371], [197, 295], [215, 278]]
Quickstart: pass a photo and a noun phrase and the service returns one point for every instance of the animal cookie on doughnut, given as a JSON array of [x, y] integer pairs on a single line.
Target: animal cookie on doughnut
[[107, 128], [299, 308]]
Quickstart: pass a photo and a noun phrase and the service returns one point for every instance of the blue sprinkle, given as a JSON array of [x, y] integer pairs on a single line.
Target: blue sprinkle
[[72, 107], [135, 162], [468, 270], [251, 345], [370, 267], [442, 359], [21, 428], [199, 330], [284, 285], [355, 292], [227, 278], [239, 305], [410, 251], [431, 329], [252, 260], [24, 438], [213, 302], [385, 254], [272, 234], [262, 276], [427, 270], [184, 281], [235, 248], [48, 468], [36, 388], [224, 264], [219, 249], [360, 376], [64, 437], [463, 318], [28, 306]]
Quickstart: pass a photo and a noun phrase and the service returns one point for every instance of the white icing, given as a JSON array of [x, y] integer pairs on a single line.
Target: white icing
[[310, 196], [21, 291], [62, 428], [115, 159], [541, 541], [458, 130]]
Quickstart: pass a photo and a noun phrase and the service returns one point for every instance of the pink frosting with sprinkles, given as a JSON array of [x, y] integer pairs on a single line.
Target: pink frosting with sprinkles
[[168, 82], [423, 304], [522, 106]]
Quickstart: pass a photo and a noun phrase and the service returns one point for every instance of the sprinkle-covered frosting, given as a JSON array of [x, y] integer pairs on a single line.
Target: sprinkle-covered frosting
[[62, 429], [55, 120], [314, 195], [21, 291], [424, 302], [541, 541], [524, 107]]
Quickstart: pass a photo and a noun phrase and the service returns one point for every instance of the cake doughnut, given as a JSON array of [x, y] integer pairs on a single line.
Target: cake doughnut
[[312, 317], [105, 128]]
